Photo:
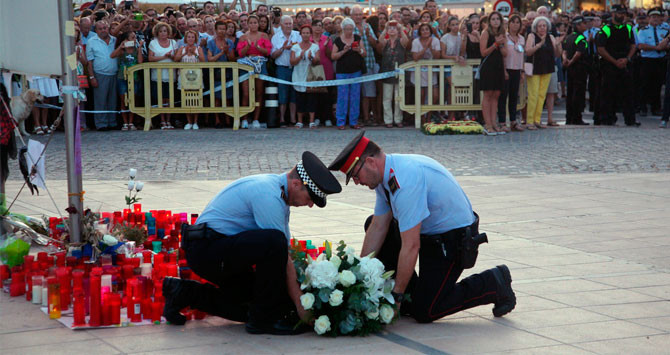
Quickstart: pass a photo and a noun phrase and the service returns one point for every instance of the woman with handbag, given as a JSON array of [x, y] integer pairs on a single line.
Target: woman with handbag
[[541, 49], [303, 56], [492, 71], [514, 66]]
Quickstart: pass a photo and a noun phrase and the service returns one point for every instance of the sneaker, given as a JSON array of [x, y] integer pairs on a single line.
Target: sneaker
[[132, 127], [317, 122], [188, 126], [299, 125], [255, 125], [312, 125], [329, 123], [125, 127], [664, 124], [195, 126], [245, 124], [264, 125]]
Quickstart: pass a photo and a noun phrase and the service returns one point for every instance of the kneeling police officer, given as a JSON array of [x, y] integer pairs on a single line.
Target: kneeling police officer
[[240, 244], [421, 210]]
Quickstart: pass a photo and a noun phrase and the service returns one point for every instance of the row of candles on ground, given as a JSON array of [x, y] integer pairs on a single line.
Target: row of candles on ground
[[158, 223], [58, 282]]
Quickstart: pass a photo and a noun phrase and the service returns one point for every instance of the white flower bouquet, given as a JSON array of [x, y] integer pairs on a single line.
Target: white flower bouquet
[[346, 294]]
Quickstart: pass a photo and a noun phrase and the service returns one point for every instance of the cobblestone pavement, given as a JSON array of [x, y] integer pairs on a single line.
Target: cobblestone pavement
[[210, 154]]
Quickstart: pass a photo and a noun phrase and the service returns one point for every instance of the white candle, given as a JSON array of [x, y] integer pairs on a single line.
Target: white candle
[[45, 296], [37, 294]]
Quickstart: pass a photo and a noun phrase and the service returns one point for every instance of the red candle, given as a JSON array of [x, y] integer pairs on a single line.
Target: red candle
[[95, 305], [79, 307], [159, 259], [4, 273], [106, 310], [78, 279], [146, 308], [128, 271], [29, 286], [303, 244], [194, 218], [156, 312], [28, 262], [137, 208], [60, 259], [115, 302]]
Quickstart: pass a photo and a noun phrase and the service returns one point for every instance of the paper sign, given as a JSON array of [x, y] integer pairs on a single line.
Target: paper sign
[[69, 28], [72, 61]]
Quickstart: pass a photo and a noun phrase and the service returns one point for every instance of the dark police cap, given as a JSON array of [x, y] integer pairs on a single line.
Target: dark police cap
[[577, 20], [619, 8], [318, 180], [350, 155]]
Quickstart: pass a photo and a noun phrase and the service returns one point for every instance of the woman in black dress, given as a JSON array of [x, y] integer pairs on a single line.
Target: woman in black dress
[[492, 71]]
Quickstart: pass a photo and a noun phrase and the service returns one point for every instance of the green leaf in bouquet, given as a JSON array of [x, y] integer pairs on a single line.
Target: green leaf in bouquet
[[371, 255], [329, 250], [346, 327], [388, 274], [324, 294]]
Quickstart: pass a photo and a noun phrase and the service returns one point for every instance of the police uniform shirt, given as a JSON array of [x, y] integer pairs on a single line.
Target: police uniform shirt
[[422, 191], [652, 36], [575, 42], [616, 39], [250, 203]]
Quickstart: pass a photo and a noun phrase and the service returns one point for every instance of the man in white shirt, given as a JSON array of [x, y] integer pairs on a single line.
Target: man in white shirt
[[282, 42]]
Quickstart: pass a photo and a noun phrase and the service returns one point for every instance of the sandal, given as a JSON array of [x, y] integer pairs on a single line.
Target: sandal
[[164, 125], [38, 131], [552, 124], [517, 127], [389, 126], [341, 128], [299, 125], [132, 127], [540, 126], [312, 125], [125, 127], [531, 128], [489, 131]]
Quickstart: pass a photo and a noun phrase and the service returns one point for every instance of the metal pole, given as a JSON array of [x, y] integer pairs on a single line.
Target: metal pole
[[74, 185]]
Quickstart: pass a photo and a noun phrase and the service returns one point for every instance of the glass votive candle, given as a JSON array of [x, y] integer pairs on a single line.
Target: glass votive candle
[[157, 246], [37, 288], [106, 259]]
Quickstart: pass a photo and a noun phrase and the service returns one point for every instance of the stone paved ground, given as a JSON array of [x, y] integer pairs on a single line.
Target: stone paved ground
[[580, 215], [210, 154]]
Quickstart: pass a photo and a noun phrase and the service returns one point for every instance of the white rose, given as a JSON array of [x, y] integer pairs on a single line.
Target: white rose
[[336, 298], [350, 258], [372, 314], [322, 325], [322, 274], [347, 278], [307, 300], [336, 261], [372, 270], [132, 173], [131, 185], [139, 186], [386, 313]]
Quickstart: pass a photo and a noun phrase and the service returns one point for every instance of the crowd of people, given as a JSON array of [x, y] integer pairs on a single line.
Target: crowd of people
[[617, 56]]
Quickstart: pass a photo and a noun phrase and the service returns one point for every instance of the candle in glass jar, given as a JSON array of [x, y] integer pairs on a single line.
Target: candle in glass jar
[[54, 297], [37, 288]]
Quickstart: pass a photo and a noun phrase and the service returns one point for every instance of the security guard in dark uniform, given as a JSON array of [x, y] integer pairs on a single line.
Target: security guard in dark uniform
[[576, 59], [421, 211], [595, 79], [240, 244], [616, 46]]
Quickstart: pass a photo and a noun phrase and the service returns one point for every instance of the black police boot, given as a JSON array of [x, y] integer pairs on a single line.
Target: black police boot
[[287, 325], [506, 300], [176, 299]]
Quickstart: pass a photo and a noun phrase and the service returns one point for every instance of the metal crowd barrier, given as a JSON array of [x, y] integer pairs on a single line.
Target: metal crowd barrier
[[461, 96], [192, 78]]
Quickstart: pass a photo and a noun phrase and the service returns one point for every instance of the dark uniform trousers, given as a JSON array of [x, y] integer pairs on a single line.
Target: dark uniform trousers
[[666, 96], [652, 73], [434, 292], [577, 74], [243, 294], [616, 89], [594, 87]]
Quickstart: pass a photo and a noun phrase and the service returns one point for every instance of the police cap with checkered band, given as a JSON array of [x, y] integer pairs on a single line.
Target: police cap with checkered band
[[318, 180]]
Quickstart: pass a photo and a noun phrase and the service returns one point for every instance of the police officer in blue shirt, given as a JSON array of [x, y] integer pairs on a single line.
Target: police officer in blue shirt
[[421, 211], [653, 44], [240, 244]]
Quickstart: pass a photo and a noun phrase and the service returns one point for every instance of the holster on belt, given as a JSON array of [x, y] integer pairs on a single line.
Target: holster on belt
[[192, 232], [469, 246]]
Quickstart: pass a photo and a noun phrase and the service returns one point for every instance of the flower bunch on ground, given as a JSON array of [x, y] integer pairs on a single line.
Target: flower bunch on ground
[[452, 127], [346, 294]]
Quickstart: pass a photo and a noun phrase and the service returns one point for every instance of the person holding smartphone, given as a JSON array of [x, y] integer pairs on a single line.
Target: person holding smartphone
[[129, 54], [349, 55]]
